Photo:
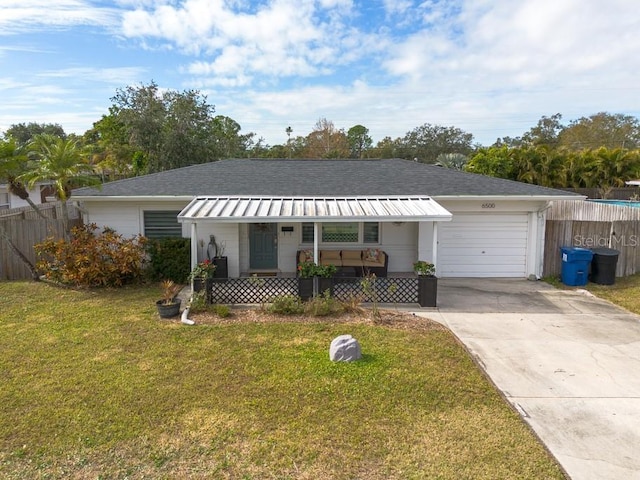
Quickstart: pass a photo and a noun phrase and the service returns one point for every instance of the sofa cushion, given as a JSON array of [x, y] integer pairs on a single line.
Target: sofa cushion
[[308, 256], [352, 256], [329, 254], [372, 255], [330, 257]]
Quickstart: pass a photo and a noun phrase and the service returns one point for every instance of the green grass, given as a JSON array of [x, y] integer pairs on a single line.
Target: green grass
[[94, 385], [624, 292]]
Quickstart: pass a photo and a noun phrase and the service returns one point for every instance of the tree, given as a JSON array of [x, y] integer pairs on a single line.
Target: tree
[[326, 141], [386, 148], [110, 152], [359, 140], [541, 165], [427, 141], [23, 133], [13, 159], [495, 162], [13, 163], [142, 112], [169, 129], [546, 132], [610, 168], [228, 142], [602, 130], [59, 161], [454, 161]]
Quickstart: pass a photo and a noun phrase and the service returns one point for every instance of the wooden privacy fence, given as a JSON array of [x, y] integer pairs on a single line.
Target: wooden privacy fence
[[574, 223], [26, 229]]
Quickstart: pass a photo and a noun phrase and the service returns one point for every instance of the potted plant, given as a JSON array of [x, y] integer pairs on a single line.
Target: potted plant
[[425, 269], [306, 272], [325, 275], [215, 253], [201, 275], [427, 283], [169, 305]]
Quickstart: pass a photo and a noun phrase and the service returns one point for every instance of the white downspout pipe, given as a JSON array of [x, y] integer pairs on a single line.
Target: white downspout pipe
[[316, 235], [194, 249], [434, 247]]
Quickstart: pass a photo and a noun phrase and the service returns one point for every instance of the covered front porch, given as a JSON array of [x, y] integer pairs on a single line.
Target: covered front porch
[[263, 235]]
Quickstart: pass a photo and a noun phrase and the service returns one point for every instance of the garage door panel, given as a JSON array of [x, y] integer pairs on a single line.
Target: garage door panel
[[494, 236], [484, 260], [489, 245], [515, 231], [479, 271], [490, 256]]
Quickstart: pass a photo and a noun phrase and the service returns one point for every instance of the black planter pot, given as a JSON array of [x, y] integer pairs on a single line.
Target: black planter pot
[[222, 269], [325, 284], [168, 311], [427, 291], [201, 284], [305, 288]]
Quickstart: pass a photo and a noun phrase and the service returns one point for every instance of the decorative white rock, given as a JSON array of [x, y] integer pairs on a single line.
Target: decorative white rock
[[344, 348]]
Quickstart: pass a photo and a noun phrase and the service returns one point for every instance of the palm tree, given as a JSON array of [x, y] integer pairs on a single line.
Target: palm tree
[[13, 161], [611, 168], [61, 162], [455, 161]]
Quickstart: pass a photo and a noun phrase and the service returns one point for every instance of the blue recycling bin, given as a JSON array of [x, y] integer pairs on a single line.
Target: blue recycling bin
[[575, 265]]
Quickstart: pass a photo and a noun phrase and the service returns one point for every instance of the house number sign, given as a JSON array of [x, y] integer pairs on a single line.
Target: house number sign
[[488, 205]]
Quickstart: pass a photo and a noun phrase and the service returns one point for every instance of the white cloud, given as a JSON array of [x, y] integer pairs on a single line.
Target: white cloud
[[278, 39], [491, 67], [116, 75], [20, 16]]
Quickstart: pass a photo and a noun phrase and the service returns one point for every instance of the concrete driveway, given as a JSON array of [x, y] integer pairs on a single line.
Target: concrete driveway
[[568, 362]]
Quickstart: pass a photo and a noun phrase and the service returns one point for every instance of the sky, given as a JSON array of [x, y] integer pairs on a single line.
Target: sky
[[492, 68]]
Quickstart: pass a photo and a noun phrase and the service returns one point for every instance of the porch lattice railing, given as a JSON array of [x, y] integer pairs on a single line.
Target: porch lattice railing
[[252, 290]]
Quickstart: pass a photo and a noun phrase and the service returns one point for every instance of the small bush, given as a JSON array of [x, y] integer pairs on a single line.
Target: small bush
[[199, 302], [286, 305], [221, 310], [169, 258], [91, 258], [352, 304], [322, 305]]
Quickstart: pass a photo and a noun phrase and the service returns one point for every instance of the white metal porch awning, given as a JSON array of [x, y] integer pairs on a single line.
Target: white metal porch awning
[[313, 209]]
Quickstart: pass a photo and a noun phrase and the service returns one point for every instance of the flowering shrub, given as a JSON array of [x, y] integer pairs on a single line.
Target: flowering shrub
[[310, 269], [424, 268], [203, 270], [306, 269], [326, 271], [91, 258]]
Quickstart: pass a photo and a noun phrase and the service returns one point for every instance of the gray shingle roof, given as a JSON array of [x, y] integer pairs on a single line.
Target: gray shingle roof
[[282, 177]]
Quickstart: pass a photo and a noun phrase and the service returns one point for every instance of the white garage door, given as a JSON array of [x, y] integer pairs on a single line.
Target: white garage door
[[483, 245]]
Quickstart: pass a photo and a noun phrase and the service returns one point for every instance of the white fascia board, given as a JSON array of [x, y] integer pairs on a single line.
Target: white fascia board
[[495, 198], [130, 198], [440, 218]]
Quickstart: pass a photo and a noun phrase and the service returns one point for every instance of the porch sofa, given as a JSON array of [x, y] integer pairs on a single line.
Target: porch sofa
[[364, 261]]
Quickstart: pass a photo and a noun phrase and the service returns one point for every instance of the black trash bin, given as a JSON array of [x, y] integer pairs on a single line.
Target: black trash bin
[[603, 265]]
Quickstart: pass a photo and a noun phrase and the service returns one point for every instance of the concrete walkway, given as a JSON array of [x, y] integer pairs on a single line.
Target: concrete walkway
[[568, 362]]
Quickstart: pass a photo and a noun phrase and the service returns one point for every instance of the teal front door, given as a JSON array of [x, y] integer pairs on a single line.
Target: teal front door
[[263, 246]]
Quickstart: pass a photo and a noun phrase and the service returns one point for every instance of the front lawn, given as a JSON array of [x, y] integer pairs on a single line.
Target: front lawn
[[624, 292], [94, 385]]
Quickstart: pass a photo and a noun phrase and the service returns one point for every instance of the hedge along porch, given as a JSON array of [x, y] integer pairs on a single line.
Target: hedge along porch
[[255, 228]]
